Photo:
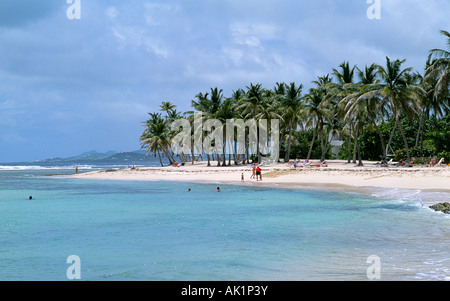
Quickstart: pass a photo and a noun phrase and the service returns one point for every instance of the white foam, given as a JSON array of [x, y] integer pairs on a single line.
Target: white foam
[[37, 167]]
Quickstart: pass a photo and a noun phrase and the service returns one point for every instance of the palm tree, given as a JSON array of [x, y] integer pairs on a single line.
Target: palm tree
[[338, 91], [439, 70], [156, 137], [401, 94], [167, 107], [226, 111], [253, 102], [345, 76], [292, 108], [208, 105], [312, 111], [326, 117], [365, 94]]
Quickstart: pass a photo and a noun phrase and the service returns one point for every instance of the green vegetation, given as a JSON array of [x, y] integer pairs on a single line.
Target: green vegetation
[[378, 112]]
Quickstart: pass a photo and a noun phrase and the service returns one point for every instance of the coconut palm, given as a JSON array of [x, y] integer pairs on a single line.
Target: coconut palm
[[208, 104], [365, 94], [167, 107], [401, 94], [156, 137], [253, 102], [337, 91], [439, 70], [292, 107], [345, 76], [312, 111], [225, 112]]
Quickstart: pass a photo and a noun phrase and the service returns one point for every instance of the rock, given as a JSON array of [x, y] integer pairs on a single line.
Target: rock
[[443, 207]]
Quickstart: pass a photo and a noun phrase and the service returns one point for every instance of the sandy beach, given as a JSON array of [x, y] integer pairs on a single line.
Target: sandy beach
[[337, 175]]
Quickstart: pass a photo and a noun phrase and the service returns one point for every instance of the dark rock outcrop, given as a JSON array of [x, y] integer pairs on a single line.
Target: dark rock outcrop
[[443, 207]]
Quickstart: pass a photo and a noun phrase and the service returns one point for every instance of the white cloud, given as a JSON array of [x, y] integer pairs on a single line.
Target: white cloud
[[157, 13], [251, 35], [112, 13]]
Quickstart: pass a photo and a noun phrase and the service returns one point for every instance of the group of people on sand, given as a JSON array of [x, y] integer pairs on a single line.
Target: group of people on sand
[[256, 173], [405, 163], [306, 163], [409, 163]]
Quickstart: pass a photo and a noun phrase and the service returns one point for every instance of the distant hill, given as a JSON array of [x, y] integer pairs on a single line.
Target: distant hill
[[94, 157]]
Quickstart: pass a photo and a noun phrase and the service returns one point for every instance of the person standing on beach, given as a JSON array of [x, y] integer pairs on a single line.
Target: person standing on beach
[[242, 177], [253, 171], [258, 174]]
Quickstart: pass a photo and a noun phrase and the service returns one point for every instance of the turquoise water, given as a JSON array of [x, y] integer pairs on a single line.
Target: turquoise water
[[126, 230]]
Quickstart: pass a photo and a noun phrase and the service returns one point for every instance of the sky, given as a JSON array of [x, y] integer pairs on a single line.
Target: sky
[[81, 75]]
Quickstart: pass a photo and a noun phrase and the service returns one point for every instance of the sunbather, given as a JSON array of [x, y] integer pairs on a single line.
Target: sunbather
[[410, 163], [440, 162], [432, 162], [321, 164]]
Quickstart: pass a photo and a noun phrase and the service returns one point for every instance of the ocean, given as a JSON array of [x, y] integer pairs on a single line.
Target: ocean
[[138, 230]]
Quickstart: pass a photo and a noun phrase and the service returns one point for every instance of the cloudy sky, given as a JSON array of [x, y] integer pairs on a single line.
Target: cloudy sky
[[73, 85]]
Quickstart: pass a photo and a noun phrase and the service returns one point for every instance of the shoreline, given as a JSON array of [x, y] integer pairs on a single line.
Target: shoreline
[[338, 176]]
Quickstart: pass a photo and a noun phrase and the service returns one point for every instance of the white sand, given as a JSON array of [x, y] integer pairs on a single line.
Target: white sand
[[338, 173]]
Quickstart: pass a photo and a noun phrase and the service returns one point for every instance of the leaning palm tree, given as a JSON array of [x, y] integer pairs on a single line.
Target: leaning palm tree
[[401, 94], [157, 137], [439, 70]]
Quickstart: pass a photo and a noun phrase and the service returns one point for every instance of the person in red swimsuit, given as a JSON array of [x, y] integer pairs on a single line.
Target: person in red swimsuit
[[258, 174]]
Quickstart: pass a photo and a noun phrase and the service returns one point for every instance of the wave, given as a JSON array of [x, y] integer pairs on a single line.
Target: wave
[[38, 167], [414, 197]]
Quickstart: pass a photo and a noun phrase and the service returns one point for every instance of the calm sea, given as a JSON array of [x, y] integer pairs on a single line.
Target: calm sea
[[126, 230]]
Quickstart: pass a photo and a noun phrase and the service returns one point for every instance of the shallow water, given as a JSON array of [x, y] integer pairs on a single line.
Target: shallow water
[[126, 230]]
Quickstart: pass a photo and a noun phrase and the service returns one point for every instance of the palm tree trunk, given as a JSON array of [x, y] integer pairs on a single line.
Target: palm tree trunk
[[360, 163], [312, 143], [404, 139], [355, 147], [322, 145], [168, 155], [218, 159], [224, 156], [419, 129], [379, 134], [235, 154], [349, 144], [391, 136], [288, 152], [159, 156]]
